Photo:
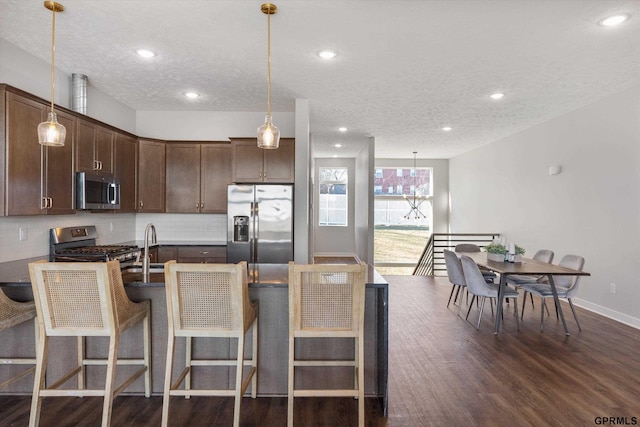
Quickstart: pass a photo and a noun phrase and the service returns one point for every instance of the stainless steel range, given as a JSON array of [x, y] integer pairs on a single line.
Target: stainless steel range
[[78, 244]]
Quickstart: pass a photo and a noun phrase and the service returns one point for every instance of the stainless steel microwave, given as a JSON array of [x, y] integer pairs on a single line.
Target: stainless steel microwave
[[95, 191]]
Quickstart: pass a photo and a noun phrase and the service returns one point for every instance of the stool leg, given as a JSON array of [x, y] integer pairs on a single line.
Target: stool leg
[[110, 379], [254, 359], [187, 364], [171, 343], [81, 353], [146, 334], [290, 382], [360, 381], [38, 383], [239, 376]]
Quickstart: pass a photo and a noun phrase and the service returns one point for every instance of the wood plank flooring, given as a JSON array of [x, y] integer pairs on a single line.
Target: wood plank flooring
[[442, 372]]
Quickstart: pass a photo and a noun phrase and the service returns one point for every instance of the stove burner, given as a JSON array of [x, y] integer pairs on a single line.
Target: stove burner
[[78, 244]]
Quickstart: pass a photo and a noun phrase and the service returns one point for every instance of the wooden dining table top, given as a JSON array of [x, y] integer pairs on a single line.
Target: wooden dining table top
[[527, 266]]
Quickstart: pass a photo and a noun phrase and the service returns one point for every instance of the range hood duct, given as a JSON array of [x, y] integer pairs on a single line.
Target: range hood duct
[[79, 93]]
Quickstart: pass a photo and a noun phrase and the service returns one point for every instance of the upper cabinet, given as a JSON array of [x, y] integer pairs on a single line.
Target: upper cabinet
[[125, 168], [37, 179], [95, 148], [252, 164], [197, 177], [151, 176]]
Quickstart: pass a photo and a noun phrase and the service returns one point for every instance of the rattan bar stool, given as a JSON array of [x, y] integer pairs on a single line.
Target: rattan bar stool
[[13, 313], [210, 300], [327, 301], [82, 300]]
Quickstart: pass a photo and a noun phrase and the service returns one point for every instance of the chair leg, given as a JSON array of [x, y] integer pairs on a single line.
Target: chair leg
[[254, 359], [360, 374], [532, 305], [453, 288], [515, 312], [575, 316], [166, 399], [470, 305], [524, 300], [481, 310], [187, 365], [81, 353], [544, 304]]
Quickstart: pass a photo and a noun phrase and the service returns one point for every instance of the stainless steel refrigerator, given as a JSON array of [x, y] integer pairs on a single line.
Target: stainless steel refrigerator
[[260, 223]]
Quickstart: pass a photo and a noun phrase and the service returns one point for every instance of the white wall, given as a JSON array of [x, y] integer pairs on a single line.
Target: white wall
[[592, 208]]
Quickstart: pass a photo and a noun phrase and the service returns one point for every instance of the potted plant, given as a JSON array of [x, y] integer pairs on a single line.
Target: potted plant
[[496, 252]]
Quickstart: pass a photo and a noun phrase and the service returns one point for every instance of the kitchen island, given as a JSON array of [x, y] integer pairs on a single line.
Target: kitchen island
[[269, 287]]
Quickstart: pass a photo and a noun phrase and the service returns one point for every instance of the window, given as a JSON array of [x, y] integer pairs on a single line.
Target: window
[[400, 238], [333, 201]]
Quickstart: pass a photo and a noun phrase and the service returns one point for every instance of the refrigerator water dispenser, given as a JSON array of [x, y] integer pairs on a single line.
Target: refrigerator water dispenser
[[240, 228]]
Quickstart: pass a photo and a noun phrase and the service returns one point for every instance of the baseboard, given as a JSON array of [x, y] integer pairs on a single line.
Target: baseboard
[[634, 322]]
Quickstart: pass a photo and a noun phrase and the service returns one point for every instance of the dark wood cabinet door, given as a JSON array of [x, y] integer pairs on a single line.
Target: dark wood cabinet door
[[59, 173], [279, 164], [183, 178], [85, 143], [151, 176], [103, 150], [215, 161], [24, 156], [126, 160], [247, 162]]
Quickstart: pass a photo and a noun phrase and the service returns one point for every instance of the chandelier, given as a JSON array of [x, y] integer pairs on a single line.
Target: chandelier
[[417, 200]]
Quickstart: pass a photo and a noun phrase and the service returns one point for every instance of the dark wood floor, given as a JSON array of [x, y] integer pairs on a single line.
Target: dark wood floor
[[442, 372]]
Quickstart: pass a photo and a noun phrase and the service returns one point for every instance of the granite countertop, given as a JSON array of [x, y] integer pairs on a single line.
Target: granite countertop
[[140, 243]]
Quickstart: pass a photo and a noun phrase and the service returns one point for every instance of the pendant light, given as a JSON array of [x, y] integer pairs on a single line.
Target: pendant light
[[51, 132], [417, 200], [268, 133]]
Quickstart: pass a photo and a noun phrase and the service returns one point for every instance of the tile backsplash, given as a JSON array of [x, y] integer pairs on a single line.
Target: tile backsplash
[[111, 228]]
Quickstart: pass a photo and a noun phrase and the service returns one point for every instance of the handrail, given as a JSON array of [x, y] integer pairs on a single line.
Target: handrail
[[432, 259]]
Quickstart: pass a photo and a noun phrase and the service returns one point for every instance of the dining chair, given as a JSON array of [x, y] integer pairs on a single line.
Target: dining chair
[[326, 301], [13, 313], [455, 274], [476, 285], [489, 276], [210, 300], [86, 299], [566, 287], [517, 280]]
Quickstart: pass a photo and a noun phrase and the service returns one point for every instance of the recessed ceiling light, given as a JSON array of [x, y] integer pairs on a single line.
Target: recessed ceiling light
[[192, 95], [614, 20], [337, 145], [145, 53], [327, 54], [496, 95], [447, 128], [342, 129], [334, 156]]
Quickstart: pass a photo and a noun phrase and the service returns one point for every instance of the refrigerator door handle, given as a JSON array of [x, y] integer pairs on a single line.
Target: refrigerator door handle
[[255, 208]]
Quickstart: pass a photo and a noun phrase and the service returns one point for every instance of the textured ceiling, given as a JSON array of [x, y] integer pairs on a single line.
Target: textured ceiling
[[405, 69]]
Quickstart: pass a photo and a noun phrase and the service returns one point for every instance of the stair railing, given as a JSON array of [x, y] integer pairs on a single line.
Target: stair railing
[[431, 261]]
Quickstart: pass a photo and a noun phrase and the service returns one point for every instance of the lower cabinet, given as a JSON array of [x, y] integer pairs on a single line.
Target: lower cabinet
[[194, 254]]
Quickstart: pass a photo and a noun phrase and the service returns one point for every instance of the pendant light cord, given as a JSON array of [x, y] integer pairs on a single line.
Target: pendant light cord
[[53, 50], [269, 63]]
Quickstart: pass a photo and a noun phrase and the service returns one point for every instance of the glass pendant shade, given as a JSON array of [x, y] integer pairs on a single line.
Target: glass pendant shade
[[51, 132], [268, 134]]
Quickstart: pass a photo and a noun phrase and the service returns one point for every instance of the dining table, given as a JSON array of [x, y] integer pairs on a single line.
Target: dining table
[[528, 267]]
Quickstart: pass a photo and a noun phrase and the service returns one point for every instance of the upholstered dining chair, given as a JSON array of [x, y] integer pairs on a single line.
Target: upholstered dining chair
[[515, 280], [13, 313], [210, 300], [455, 274], [86, 299], [489, 276], [327, 301], [566, 287], [476, 285]]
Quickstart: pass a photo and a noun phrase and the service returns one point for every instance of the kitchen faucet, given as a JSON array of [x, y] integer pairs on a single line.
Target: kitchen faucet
[[147, 258]]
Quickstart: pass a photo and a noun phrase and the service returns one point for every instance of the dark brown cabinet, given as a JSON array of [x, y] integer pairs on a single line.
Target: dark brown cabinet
[[38, 179], [193, 253], [94, 151], [197, 177], [126, 161], [252, 164], [151, 176]]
